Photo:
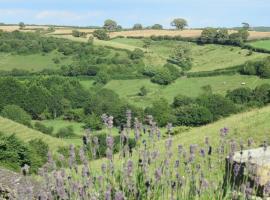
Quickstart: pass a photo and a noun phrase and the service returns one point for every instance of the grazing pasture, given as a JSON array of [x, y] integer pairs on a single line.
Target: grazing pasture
[[205, 57], [264, 44], [129, 89], [33, 62]]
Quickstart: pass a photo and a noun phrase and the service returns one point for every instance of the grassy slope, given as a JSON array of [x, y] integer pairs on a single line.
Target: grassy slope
[[253, 124], [33, 63], [265, 44], [187, 86], [205, 57]]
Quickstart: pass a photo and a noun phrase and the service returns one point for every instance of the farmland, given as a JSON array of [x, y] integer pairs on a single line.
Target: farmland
[[126, 102], [264, 44]]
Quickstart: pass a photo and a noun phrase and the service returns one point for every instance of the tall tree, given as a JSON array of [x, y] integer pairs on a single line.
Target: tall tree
[[21, 25], [179, 23], [110, 25], [137, 27]]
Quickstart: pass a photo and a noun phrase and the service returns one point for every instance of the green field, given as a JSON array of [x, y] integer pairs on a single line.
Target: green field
[[205, 57], [264, 44], [129, 89], [33, 62]]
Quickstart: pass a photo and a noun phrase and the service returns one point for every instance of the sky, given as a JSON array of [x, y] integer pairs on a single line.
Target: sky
[[198, 13]]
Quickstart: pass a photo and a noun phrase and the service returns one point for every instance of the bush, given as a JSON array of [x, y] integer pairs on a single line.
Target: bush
[[181, 100], [240, 95], [101, 34], [16, 114], [179, 129], [143, 91], [218, 105], [262, 94], [44, 129], [136, 54], [93, 122], [193, 115], [163, 77], [65, 132], [14, 154]]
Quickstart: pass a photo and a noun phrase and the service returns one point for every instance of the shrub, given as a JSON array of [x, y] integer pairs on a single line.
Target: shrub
[[163, 77], [218, 105], [136, 54], [181, 100], [179, 129], [143, 91], [44, 129], [240, 95], [16, 114], [101, 34], [66, 132], [193, 115], [93, 122], [262, 94], [14, 154]]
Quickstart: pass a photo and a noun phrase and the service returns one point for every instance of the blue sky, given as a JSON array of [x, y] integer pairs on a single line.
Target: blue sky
[[199, 13]]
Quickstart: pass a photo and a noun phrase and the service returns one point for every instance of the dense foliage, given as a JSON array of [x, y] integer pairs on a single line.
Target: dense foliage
[[14, 153], [260, 68]]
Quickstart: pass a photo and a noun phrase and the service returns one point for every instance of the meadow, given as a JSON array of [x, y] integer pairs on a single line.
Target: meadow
[[192, 87], [264, 44], [33, 62]]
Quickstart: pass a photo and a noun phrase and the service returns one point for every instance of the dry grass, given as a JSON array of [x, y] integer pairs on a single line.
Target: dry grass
[[135, 33]]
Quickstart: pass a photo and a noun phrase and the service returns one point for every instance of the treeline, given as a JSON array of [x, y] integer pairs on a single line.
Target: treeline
[[52, 97], [260, 68], [208, 107]]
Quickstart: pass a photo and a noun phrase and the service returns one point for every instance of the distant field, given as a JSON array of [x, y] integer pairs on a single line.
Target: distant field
[[129, 89], [265, 44], [205, 57], [33, 62]]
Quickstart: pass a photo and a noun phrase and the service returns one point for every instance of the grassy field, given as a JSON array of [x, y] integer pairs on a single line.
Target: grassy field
[[8, 127], [129, 89], [205, 57], [33, 62], [265, 44]]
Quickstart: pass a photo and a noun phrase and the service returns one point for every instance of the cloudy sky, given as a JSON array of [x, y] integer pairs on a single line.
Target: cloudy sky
[[199, 13]]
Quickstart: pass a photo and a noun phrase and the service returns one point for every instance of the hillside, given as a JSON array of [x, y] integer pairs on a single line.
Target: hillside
[[252, 124], [9, 127]]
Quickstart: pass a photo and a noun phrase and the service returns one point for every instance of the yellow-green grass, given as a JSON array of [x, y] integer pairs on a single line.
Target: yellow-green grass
[[192, 87], [264, 44], [205, 57], [57, 124], [33, 62], [9, 127], [109, 43]]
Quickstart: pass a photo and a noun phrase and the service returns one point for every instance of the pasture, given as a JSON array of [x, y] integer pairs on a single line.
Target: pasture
[[33, 62], [205, 57], [129, 89], [264, 44]]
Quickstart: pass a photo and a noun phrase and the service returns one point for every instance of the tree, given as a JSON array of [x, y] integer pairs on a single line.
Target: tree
[[264, 69], [21, 25], [16, 114], [181, 56], [245, 25], [208, 35], [262, 93], [157, 27], [179, 23], [222, 36], [163, 77], [137, 27], [101, 34], [161, 112], [37, 99], [93, 122], [110, 25]]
